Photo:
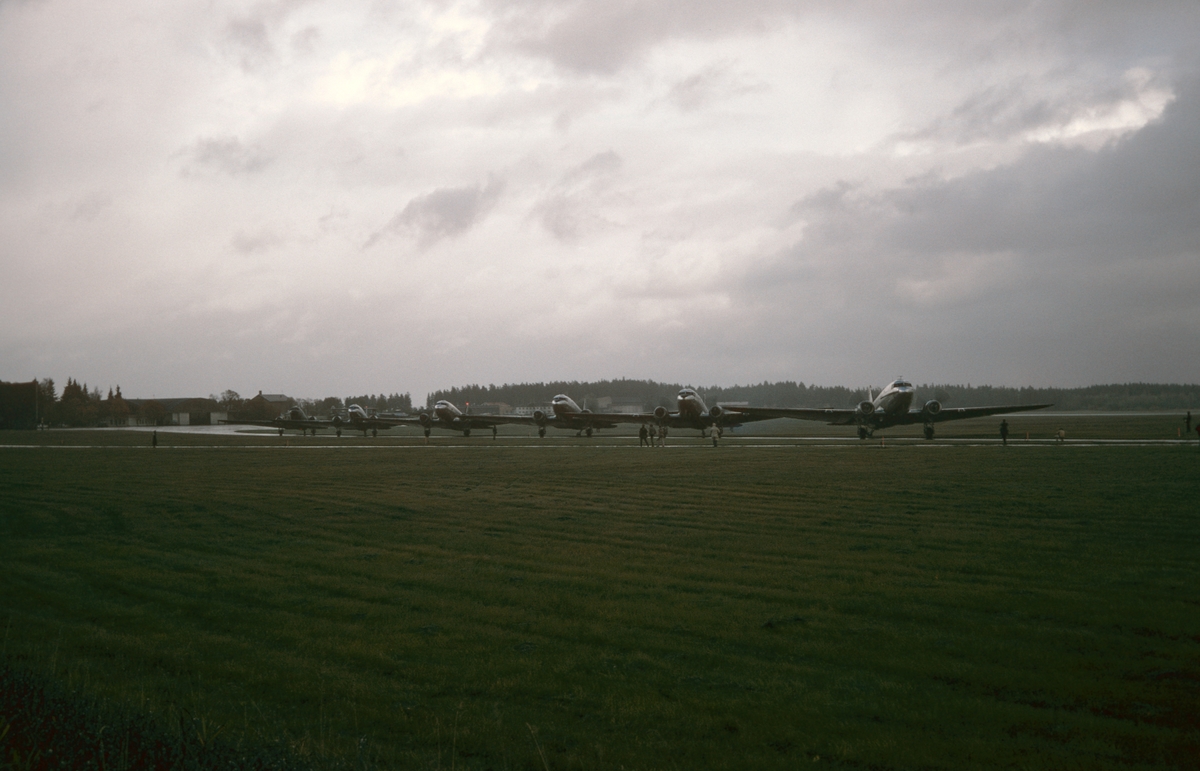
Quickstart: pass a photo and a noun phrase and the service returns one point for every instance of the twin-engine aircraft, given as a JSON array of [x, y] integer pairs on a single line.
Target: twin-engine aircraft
[[889, 408], [694, 413], [566, 414], [446, 415], [358, 419], [293, 418]]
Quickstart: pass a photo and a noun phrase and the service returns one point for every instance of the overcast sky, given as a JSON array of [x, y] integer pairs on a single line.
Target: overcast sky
[[326, 198]]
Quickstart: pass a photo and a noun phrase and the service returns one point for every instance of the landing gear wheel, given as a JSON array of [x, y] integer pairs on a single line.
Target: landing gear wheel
[[374, 432], [427, 433], [862, 433], [493, 433], [541, 433], [928, 430], [589, 433], [339, 433], [466, 432], [281, 432]]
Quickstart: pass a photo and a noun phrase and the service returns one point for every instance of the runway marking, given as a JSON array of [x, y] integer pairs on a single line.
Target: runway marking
[[789, 442]]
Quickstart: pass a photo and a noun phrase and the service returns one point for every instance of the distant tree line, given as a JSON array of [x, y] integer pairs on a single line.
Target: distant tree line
[[381, 403], [1105, 398], [257, 409], [1126, 396], [26, 405], [538, 394]]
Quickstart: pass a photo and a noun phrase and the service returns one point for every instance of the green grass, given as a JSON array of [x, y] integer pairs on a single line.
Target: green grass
[[476, 605]]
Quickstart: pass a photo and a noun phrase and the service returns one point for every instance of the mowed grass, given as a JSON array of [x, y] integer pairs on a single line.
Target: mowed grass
[[566, 606]]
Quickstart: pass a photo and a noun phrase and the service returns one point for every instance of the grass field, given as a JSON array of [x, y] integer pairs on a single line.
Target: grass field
[[478, 604]]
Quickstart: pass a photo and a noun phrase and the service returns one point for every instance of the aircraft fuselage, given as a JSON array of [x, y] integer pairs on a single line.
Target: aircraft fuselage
[[690, 405], [895, 398]]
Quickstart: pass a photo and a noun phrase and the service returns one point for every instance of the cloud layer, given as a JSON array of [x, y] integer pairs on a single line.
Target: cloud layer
[[319, 198]]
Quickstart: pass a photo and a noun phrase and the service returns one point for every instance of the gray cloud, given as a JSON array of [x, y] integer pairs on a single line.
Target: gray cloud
[[249, 36], [1045, 259], [1002, 112], [249, 243], [714, 83], [229, 155], [721, 236], [604, 37], [443, 213], [92, 206], [1138, 196], [596, 37], [569, 208]]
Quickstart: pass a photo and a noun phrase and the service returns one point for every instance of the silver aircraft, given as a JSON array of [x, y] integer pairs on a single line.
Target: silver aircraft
[[359, 419], [692, 412], [446, 415], [890, 408], [293, 418], [566, 414]]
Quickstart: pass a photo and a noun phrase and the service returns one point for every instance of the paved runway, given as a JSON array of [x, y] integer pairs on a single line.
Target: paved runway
[[734, 444]]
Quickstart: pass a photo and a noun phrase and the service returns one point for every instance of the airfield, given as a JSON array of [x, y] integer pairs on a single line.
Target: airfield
[[795, 596]]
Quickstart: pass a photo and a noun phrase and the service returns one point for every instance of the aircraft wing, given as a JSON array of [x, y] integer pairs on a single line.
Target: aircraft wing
[[730, 417], [381, 423], [831, 416], [963, 413], [487, 421], [611, 419], [281, 423]]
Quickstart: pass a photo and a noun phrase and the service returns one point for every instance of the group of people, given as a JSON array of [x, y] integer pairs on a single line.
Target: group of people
[[647, 434], [1060, 436]]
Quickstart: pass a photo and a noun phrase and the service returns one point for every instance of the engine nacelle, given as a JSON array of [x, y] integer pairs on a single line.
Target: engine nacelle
[[425, 420], [661, 413], [539, 417], [933, 407], [865, 407], [715, 412]]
